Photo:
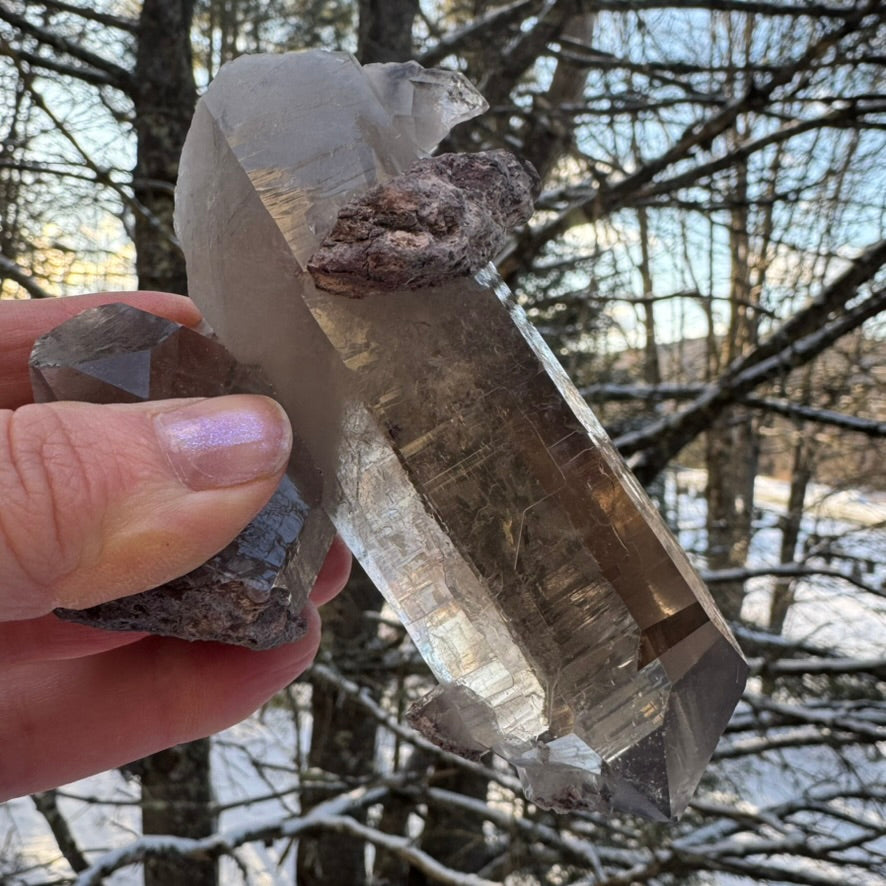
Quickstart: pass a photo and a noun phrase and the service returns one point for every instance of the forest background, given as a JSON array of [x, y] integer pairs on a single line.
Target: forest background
[[707, 260]]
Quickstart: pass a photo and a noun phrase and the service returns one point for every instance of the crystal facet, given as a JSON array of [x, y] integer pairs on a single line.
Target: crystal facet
[[567, 628], [252, 592]]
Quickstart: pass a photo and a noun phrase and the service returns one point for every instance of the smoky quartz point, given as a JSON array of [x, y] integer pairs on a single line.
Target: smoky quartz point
[[252, 592], [566, 627]]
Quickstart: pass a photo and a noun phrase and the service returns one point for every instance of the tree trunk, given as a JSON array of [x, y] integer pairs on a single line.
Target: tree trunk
[[731, 456], [342, 737], [732, 444], [550, 133], [651, 366], [176, 798], [454, 839], [384, 33], [10, 177], [801, 475], [176, 789], [164, 98], [389, 868]]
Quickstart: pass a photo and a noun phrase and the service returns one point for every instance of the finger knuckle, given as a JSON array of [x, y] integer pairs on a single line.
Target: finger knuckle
[[49, 495]]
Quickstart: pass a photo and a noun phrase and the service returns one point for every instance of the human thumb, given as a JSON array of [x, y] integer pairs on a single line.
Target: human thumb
[[101, 501]]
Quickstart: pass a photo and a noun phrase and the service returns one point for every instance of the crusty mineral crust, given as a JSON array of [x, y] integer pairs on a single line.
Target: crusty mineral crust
[[189, 609], [444, 217], [211, 603]]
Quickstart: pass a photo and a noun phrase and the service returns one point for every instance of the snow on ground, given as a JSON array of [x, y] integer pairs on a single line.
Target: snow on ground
[[26, 842], [828, 612], [843, 530]]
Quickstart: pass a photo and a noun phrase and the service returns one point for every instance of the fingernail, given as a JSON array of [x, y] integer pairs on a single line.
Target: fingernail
[[225, 441]]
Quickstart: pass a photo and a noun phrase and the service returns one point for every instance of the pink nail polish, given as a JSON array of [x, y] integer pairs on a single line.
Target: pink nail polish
[[225, 441]]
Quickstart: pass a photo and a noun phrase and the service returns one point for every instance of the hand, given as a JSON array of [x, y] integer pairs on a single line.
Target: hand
[[97, 502]]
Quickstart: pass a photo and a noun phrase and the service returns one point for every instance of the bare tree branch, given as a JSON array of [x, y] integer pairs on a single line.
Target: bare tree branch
[[365, 700], [102, 176], [868, 723], [848, 115], [606, 197], [103, 18], [330, 815], [404, 848], [799, 340], [480, 29], [608, 391], [10, 269], [39, 62], [833, 298], [749, 7], [761, 642], [47, 804], [788, 570], [119, 76], [832, 667], [870, 427], [526, 48], [649, 393]]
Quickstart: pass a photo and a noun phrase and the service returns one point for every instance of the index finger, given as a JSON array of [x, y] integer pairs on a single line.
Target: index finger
[[23, 321]]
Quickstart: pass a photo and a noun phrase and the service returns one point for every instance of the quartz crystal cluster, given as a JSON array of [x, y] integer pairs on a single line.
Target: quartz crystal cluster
[[252, 592], [567, 630]]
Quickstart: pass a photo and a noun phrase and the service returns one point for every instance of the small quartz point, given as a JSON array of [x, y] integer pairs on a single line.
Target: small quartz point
[[252, 592], [566, 626]]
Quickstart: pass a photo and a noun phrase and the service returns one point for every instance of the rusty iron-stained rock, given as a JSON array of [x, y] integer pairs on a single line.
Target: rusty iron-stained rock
[[445, 217]]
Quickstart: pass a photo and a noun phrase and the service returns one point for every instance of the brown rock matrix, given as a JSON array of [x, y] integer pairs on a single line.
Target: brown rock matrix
[[445, 217]]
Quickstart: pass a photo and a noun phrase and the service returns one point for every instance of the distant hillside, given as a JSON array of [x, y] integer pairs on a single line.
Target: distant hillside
[[848, 379]]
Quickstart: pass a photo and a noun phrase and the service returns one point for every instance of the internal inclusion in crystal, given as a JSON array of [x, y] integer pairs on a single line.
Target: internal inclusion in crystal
[[567, 628], [252, 592]]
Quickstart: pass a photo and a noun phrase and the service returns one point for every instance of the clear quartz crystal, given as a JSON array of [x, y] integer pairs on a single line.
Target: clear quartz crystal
[[566, 627]]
